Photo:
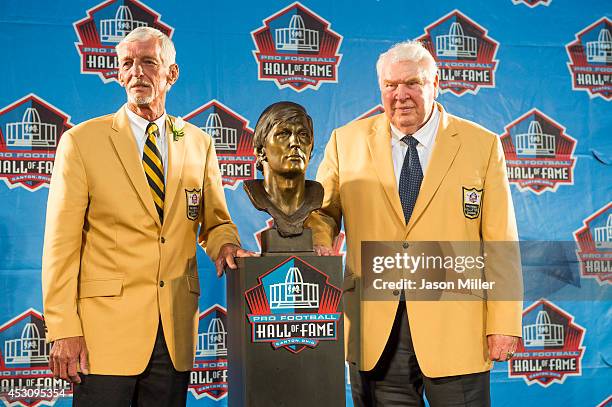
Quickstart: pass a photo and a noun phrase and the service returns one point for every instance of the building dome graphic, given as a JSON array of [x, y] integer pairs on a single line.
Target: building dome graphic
[[543, 332], [225, 138], [294, 292], [535, 142], [213, 342], [113, 30], [455, 44], [603, 235], [296, 37], [600, 50], [31, 131], [29, 348]]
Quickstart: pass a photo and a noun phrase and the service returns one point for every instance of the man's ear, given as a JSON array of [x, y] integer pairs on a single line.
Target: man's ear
[[436, 86], [173, 74]]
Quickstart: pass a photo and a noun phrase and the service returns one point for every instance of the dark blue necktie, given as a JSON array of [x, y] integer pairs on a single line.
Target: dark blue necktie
[[410, 177]]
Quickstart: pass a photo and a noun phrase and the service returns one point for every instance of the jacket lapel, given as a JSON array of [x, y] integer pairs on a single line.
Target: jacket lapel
[[176, 157], [379, 143], [127, 151], [445, 149]]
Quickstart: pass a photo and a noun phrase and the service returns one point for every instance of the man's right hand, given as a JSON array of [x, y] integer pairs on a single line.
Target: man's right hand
[[66, 355], [324, 251]]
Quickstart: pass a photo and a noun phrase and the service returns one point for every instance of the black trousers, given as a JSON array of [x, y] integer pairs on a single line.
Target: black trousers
[[397, 380], [160, 385]]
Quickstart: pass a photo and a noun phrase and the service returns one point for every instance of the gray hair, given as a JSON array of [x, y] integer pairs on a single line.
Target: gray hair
[[168, 52], [407, 51]]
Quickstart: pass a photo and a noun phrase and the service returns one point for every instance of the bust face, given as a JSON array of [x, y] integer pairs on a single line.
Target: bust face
[[288, 146]]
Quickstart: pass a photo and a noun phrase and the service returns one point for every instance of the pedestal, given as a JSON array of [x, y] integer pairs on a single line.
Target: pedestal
[[285, 336]]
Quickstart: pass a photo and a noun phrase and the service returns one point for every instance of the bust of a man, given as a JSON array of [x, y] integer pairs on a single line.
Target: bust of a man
[[283, 144]]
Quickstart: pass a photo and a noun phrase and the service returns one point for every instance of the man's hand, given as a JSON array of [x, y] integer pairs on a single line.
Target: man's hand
[[501, 346], [324, 251], [66, 354], [226, 257]]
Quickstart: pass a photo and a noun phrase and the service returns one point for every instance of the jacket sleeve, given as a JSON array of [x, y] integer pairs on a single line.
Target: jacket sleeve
[[500, 236], [325, 222], [66, 207], [217, 227]]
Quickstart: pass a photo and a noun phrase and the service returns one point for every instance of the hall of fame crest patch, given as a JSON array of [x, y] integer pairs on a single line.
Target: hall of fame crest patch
[[471, 202], [192, 204]]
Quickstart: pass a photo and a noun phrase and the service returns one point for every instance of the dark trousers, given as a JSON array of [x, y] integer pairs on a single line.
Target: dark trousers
[[160, 385], [397, 380]]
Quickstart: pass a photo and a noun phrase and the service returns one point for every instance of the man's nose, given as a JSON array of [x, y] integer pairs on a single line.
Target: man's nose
[[401, 92], [137, 69]]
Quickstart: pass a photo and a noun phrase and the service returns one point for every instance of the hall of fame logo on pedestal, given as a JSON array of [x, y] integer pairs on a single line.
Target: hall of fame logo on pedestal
[[532, 3], [551, 348], [293, 307], [591, 59], [233, 140], [296, 48], [30, 130], [595, 245], [465, 54], [209, 373], [104, 27], [539, 153], [25, 378]]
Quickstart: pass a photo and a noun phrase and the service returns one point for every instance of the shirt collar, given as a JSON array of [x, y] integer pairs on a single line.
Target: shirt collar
[[424, 135], [142, 123]]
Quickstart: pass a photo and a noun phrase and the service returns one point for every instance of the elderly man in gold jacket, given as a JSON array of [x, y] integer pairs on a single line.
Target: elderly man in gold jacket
[[399, 349], [128, 195]]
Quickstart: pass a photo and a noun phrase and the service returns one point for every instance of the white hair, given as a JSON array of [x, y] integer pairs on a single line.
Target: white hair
[[168, 52], [407, 51]]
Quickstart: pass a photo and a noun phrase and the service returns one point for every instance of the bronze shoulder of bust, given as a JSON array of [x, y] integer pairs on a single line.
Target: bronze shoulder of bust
[[291, 224]]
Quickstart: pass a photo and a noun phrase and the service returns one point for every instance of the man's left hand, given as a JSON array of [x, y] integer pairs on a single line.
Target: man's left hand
[[226, 257], [501, 347]]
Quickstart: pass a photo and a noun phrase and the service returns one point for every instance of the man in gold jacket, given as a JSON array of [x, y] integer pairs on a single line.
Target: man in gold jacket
[[128, 194], [402, 176]]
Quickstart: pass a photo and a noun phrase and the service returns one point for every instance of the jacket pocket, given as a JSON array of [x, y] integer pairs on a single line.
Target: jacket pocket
[[193, 284], [100, 288]]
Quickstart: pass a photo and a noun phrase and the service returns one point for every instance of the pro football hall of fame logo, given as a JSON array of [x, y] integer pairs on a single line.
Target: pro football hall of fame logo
[[30, 130], [25, 378], [104, 27], [296, 48], [233, 140], [595, 245], [551, 348], [293, 307], [539, 153], [591, 59], [209, 373], [464, 52]]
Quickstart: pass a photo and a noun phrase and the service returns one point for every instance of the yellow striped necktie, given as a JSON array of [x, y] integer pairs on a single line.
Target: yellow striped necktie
[[154, 169]]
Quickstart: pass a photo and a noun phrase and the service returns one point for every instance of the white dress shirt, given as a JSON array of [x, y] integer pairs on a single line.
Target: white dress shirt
[[139, 126], [426, 137]]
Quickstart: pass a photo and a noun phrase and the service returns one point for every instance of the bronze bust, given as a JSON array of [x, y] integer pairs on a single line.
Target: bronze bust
[[283, 144]]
